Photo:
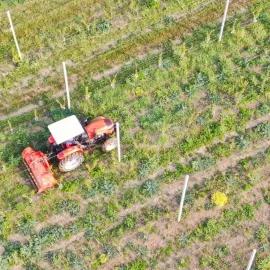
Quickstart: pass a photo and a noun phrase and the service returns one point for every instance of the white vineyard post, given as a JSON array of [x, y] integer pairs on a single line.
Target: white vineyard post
[[251, 259], [118, 141], [14, 35], [183, 197], [66, 82], [224, 19]]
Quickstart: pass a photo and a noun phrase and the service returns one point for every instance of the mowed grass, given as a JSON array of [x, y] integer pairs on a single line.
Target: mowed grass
[[200, 108]]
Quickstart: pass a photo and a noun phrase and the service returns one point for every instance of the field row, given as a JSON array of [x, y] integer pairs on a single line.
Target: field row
[[118, 55], [95, 222], [250, 68], [199, 108]]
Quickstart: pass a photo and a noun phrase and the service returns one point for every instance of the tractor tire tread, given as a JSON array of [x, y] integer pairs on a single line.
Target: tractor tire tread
[[78, 155]]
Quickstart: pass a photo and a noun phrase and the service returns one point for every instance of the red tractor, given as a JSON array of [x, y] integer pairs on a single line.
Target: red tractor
[[67, 143]]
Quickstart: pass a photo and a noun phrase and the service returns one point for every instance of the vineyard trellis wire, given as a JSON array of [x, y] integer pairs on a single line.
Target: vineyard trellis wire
[[37, 31], [102, 53], [141, 20], [117, 7], [68, 194], [51, 157], [18, 128], [106, 52], [27, 3], [14, 170], [122, 80]]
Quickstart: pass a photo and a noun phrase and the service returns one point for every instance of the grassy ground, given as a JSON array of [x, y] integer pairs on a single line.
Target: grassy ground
[[87, 41], [199, 108]]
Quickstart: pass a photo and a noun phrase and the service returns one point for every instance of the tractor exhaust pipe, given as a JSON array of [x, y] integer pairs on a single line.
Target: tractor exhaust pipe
[[85, 121]]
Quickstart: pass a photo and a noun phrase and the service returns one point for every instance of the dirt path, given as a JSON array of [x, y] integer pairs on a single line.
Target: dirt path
[[221, 165], [172, 189], [168, 189], [168, 229], [60, 219], [228, 237], [169, 192], [237, 240]]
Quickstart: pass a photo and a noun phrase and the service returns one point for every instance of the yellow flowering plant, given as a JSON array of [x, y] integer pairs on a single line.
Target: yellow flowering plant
[[219, 198]]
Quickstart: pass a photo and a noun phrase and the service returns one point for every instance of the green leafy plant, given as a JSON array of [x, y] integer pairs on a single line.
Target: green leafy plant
[[205, 117], [70, 206], [153, 213], [264, 263], [149, 188], [138, 264], [165, 251], [242, 141], [130, 197], [103, 26], [128, 223], [244, 115], [58, 114], [169, 20], [100, 259], [183, 262], [65, 259], [248, 211], [111, 209], [263, 130], [263, 109], [110, 251], [11, 248], [183, 240], [151, 3], [202, 163], [214, 260], [220, 150], [263, 234], [26, 225], [266, 194]]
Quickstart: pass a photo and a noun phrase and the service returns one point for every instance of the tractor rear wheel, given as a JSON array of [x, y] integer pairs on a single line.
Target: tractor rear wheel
[[109, 144], [71, 162]]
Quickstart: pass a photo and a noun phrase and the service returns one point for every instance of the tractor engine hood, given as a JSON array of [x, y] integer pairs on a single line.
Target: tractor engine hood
[[99, 127]]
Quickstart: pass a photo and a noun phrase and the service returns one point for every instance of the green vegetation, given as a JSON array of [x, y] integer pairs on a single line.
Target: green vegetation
[[199, 107]]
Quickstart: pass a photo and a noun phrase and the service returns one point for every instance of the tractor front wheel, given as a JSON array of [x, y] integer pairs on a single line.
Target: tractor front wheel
[[109, 144], [71, 162]]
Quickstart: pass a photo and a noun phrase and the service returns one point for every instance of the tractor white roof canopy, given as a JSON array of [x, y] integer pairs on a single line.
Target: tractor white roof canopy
[[66, 129]]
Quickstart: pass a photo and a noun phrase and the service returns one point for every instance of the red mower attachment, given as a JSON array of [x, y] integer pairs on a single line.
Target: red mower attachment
[[39, 169]]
